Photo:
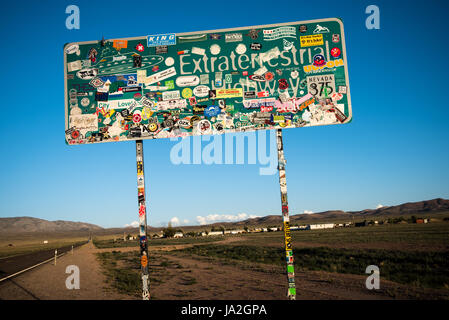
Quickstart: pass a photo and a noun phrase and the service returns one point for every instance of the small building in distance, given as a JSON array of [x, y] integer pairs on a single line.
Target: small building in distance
[[320, 226], [178, 235], [215, 233]]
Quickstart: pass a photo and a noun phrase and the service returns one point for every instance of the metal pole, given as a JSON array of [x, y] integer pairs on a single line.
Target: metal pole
[[56, 253], [142, 222], [291, 293]]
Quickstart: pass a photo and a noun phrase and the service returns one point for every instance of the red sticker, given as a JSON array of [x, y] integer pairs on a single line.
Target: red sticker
[[140, 47], [335, 52], [137, 118], [283, 84], [266, 109], [141, 210], [269, 76]]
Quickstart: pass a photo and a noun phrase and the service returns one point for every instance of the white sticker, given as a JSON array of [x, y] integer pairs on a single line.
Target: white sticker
[[96, 83], [342, 89], [261, 71], [187, 81], [270, 54], [169, 61], [241, 48], [141, 75], [116, 104], [171, 95], [84, 122], [85, 102], [215, 49], [322, 85], [87, 74], [156, 88], [172, 104], [74, 66], [277, 33], [72, 48], [198, 51], [204, 126], [336, 96], [168, 73], [201, 91], [146, 102], [294, 74]]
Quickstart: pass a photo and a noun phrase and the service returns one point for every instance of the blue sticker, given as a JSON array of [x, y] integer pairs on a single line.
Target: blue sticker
[[168, 39], [212, 111]]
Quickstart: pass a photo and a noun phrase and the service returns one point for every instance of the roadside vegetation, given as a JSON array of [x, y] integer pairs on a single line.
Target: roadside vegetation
[[421, 269], [119, 243], [123, 272]]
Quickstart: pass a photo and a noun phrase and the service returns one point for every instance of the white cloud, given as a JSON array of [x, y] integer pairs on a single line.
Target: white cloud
[[133, 224], [185, 221], [175, 221], [223, 218], [379, 206], [308, 212]]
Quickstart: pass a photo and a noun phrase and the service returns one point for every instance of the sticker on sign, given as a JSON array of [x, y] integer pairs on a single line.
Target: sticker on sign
[[322, 85], [168, 39]]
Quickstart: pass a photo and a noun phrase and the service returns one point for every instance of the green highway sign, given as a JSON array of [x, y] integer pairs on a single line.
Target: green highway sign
[[284, 75]]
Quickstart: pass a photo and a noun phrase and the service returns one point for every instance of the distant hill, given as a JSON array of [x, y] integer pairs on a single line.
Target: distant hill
[[28, 224], [428, 207], [422, 207]]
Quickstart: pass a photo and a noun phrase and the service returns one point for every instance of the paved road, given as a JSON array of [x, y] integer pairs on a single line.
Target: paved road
[[15, 264]]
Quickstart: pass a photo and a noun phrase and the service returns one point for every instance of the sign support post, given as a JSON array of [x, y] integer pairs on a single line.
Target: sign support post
[[291, 294], [143, 240]]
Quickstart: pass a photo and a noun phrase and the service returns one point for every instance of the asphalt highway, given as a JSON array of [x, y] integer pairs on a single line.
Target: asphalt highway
[[14, 264]]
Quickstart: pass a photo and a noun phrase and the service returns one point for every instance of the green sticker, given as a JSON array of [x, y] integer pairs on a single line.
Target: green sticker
[[290, 269], [170, 84]]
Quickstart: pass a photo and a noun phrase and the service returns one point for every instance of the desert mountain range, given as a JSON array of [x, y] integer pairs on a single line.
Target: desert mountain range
[[28, 224]]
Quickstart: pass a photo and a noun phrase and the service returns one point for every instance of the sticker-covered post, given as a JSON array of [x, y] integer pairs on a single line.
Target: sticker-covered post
[[288, 240], [143, 240]]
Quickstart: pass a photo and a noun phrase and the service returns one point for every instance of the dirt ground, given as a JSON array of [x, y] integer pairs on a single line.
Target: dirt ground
[[47, 282], [198, 278]]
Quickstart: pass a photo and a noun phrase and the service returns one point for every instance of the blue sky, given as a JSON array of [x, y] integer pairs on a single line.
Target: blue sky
[[395, 150]]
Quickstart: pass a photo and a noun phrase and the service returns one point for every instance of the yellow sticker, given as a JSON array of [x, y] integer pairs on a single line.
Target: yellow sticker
[[312, 40], [146, 113], [187, 93], [152, 127], [229, 93]]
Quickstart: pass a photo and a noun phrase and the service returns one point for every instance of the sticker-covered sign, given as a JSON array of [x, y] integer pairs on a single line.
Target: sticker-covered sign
[[285, 75]]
